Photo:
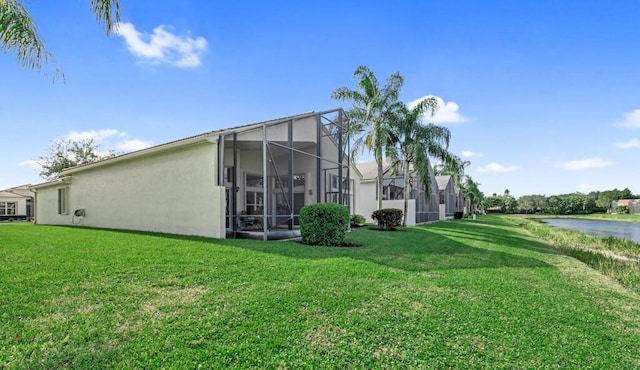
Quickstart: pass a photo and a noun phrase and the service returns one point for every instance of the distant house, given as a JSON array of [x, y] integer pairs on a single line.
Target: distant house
[[447, 197], [632, 204], [245, 181], [16, 203], [421, 209]]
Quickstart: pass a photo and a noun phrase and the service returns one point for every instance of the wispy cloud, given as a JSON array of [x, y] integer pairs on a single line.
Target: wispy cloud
[[96, 135], [30, 163], [447, 111], [470, 154], [633, 143], [120, 141], [631, 120], [163, 46], [496, 167], [583, 164]]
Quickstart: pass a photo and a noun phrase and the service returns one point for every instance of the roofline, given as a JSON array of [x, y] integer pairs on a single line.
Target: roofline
[[143, 152], [207, 136], [12, 195], [61, 181]]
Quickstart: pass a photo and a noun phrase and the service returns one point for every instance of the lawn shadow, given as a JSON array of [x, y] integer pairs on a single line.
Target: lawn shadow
[[411, 249], [492, 232], [422, 248]]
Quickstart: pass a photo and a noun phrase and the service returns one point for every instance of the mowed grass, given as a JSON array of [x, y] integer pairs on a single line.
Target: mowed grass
[[454, 294]]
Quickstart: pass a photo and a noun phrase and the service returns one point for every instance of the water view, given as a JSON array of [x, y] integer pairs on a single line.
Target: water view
[[617, 229]]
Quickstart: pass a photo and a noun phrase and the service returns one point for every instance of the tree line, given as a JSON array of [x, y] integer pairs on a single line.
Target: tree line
[[562, 204]]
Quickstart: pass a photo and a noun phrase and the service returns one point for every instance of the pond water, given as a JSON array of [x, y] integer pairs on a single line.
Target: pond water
[[617, 229]]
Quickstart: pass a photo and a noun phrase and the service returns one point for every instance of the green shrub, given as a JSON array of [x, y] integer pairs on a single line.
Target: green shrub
[[387, 218], [357, 220], [324, 224], [622, 209]]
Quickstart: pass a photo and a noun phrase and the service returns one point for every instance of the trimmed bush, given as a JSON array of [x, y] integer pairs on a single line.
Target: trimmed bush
[[324, 224], [622, 209], [357, 220], [388, 218]]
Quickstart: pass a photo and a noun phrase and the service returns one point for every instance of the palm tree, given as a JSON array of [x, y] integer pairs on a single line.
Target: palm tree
[[472, 193], [18, 32], [454, 167], [412, 143], [368, 114]]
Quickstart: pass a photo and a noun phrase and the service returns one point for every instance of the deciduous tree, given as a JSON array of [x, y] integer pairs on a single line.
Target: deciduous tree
[[65, 154]]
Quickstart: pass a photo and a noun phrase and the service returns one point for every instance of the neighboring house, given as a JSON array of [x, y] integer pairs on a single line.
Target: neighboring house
[[246, 181], [446, 196], [632, 204], [421, 209], [16, 203]]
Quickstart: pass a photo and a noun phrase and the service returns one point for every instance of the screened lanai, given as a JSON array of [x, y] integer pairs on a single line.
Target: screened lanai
[[270, 170]]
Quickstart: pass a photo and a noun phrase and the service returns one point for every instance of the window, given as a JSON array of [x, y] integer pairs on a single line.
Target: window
[[254, 181], [441, 196], [227, 173], [7, 208], [283, 181], [298, 180], [255, 201], [335, 182], [63, 201]]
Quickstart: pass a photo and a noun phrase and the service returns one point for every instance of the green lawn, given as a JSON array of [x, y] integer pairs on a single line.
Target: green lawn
[[454, 294]]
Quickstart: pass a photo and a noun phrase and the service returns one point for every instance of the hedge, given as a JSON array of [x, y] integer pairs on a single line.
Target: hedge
[[324, 224]]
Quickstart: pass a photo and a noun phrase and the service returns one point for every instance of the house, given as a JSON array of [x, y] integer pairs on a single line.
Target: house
[[632, 204], [16, 203], [446, 196], [245, 181], [421, 209]]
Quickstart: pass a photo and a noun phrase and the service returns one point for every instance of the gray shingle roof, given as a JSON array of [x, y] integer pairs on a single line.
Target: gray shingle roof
[[443, 181]]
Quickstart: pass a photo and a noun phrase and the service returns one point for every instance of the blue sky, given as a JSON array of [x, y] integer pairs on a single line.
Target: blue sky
[[541, 96]]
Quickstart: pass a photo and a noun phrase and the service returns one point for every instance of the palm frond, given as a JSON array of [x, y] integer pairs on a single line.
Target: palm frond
[[107, 12], [19, 35]]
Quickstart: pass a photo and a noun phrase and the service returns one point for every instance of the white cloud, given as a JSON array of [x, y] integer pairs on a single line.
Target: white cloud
[[631, 120], [496, 167], [447, 111], [583, 164], [132, 145], [96, 135], [120, 141], [470, 154], [30, 163], [633, 143], [162, 46]]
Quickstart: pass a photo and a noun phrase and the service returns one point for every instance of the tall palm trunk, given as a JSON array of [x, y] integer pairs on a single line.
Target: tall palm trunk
[[406, 191], [380, 178]]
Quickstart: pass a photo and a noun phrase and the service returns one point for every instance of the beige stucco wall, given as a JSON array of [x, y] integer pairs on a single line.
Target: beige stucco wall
[[367, 203], [21, 206], [366, 199], [171, 191], [399, 204]]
